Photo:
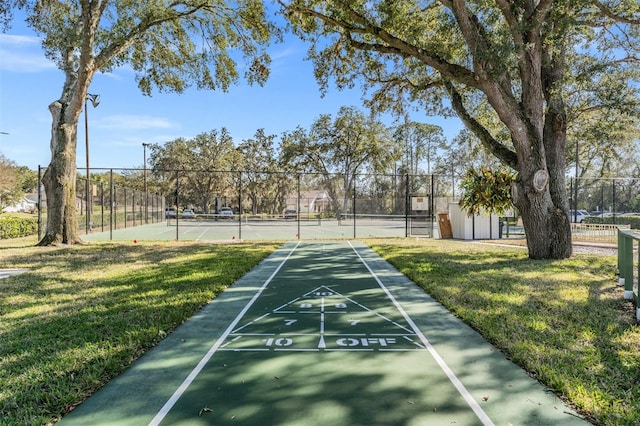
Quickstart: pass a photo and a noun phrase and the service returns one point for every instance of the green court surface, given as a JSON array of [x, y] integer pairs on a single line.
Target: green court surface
[[234, 230], [323, 333]]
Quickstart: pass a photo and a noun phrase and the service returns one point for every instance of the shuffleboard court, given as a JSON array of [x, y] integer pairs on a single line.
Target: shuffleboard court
[[323, 333]]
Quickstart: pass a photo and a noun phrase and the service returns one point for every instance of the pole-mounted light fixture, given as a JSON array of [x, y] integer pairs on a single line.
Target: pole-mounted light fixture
[[95, 99]]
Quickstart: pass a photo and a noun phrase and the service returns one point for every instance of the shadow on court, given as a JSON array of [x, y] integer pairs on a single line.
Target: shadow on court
[[323, 333]]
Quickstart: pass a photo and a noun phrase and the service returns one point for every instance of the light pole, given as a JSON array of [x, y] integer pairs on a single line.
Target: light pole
[[144, 178], [575, 189], [95, 101]]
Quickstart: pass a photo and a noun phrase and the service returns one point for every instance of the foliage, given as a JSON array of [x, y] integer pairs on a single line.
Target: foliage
[[169, 46], [632, 221], [565, 321], [339, 148], [418, 141], [266, 188], [8, 182], [463, 153], [15, 182], [511, 71], [16, 227], [203, 166], [488, 190]]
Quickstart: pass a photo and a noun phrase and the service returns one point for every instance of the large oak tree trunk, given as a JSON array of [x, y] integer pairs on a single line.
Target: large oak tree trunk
[[540, 196], [546, 225], [60, 178]]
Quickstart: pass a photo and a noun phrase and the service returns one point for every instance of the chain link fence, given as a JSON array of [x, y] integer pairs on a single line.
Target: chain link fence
[[371, 204], [399, 205], [112, 199], [605, 200]]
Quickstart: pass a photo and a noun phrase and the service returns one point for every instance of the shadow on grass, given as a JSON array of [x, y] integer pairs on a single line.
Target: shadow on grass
[[565, 321], [82, 314]]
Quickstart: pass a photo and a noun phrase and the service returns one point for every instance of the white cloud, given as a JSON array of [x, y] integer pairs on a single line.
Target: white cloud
[[286, 53], [136, 141], [18, 40], [21, 53], [134, 122]]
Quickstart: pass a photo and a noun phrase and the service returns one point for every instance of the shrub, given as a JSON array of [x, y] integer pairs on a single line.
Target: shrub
[[487, 189], [633, 221], [15, 227]]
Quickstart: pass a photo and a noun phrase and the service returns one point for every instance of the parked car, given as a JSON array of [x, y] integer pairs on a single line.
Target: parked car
[[290, 214], [579, 216], [170, 213], [188, 214], [225, 213]]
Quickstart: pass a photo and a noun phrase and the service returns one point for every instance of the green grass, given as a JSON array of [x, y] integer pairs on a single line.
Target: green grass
[[82, 314], [565, 321]]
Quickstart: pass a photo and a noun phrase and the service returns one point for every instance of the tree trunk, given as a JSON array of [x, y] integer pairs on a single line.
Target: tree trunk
[[547, 228], [545, 222], [60, 179]]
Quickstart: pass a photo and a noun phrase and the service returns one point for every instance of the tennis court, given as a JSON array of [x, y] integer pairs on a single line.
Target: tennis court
[[323, 333], [269, 228]]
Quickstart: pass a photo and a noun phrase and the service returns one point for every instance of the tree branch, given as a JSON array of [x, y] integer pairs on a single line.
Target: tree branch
[[506, 155], [121, 45], [615, 17], [392, 44]]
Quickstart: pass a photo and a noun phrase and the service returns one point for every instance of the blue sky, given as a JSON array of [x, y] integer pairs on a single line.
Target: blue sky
[[125, 118]]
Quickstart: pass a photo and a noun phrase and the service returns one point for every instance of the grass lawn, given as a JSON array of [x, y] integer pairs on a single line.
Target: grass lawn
[[564, 321], [81, 314]]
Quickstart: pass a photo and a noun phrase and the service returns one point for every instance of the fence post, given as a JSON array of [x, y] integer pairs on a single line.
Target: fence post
[[133, 206], [39, 202], [102, 205], [112, 201], [240, 205], [407, 205], [613, 199], [432, 206], [298, 206], [125, 207], [177, 205], [354, 205]]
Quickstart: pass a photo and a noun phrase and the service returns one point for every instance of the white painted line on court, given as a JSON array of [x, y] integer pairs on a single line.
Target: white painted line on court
[[255, 320], [329, 298], [202, 234], [198, 368], [473, 404], [287, 304]]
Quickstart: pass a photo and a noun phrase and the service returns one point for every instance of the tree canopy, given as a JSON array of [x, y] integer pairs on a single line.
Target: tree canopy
[[339, 148], [169, 45], [203, 168], [513, 72]]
